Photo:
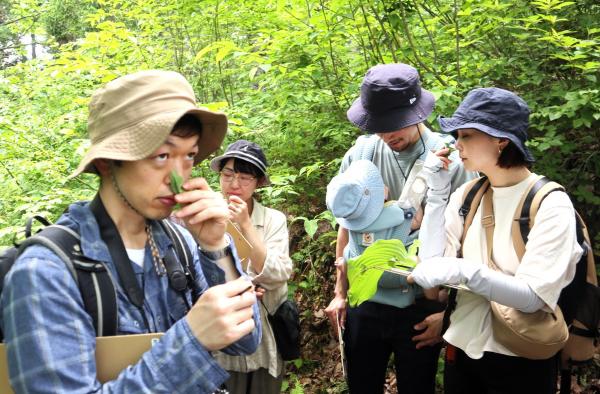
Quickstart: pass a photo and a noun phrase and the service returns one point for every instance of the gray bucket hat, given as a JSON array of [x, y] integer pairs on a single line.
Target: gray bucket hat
[[391, 98], [494, 111]]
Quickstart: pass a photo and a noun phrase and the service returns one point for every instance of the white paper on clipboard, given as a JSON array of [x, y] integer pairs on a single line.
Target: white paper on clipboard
[[242, 245]]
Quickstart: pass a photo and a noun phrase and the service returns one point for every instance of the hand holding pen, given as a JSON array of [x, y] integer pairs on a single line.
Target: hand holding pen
[[223, 314]]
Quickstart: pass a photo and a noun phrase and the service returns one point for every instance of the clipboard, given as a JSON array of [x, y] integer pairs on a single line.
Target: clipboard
[[113, 355], [242, 245]]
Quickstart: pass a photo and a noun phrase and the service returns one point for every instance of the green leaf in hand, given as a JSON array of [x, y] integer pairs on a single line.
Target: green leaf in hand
[[450, 147], [176, 185], [176, 182], [365, 270]]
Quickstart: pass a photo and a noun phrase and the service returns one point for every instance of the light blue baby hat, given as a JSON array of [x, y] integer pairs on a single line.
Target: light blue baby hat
[[356, 196]]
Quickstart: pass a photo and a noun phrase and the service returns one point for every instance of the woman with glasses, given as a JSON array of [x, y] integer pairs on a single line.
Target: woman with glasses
[[243, 169]]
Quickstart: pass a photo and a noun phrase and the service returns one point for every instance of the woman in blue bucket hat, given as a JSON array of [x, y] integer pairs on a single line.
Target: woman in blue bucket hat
[[491, 129]]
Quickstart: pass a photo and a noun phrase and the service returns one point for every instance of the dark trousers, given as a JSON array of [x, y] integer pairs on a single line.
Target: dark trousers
[[375, 331], [497, 373]]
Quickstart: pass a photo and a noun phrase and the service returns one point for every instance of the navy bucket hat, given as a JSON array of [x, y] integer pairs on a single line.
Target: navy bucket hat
[[494, 111], [391, 98]]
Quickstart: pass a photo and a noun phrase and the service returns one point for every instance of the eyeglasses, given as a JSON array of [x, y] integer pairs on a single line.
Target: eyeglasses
[[228, 176]]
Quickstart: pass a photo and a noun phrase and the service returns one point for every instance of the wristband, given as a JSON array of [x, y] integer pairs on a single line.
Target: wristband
[[219, 253]]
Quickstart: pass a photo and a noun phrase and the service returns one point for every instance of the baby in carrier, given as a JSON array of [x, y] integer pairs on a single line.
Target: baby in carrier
[[356, 198]]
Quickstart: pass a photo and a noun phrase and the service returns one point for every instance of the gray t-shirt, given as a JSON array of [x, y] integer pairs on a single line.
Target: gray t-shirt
[[392, 164]]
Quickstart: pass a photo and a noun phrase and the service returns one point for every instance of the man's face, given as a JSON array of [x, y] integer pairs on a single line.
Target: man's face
[[401, 139], [145, 183]]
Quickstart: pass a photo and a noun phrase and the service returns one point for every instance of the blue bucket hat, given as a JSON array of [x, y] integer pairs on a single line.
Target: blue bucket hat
[[494, 111], [356, 196], [391, 98]]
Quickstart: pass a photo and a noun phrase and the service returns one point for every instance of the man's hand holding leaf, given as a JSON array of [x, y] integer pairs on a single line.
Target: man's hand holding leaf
[[205, 213]]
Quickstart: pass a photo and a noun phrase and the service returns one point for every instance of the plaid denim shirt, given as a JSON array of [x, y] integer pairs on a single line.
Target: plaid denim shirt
[[50, 337]]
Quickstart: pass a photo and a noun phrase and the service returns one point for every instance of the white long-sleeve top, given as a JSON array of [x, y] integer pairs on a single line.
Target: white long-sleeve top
[[548, 264]]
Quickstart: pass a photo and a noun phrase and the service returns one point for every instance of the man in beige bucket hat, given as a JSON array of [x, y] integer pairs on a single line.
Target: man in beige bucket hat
[[142, 127]]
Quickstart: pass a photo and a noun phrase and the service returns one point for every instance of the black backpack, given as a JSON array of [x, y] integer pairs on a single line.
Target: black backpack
[[92, 277]]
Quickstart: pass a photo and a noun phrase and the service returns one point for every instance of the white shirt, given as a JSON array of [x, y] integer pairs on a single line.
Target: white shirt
[[136, 255], [548, 264]]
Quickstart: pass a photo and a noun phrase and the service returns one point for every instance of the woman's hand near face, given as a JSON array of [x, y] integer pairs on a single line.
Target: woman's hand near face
[[238, 210], [436, 171], [444, 156]]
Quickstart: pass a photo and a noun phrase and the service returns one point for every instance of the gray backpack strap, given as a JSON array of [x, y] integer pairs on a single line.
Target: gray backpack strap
[[61, 240], [364, 148]]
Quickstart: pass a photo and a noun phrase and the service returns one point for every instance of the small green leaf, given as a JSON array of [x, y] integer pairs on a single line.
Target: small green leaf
[[176, 185], [450, 147], [311, 227], [176, 182]]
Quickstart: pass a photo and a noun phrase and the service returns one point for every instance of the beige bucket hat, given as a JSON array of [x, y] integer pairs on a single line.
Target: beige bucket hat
[[133, 115]]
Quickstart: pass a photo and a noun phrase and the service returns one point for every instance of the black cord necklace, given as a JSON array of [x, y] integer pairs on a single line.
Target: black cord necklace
[[406, 175], [158, 263]]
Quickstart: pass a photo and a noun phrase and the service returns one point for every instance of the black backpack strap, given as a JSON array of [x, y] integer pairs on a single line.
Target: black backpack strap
[[29, 227], [99, 295], [93, 278], [524, 218], [181, 247], [29, 224], [185, 256], [471, 199], [112, 239], [61, 240], [468, 199]]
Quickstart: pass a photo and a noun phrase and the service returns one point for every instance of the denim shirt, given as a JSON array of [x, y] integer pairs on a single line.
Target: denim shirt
[[51, 340]]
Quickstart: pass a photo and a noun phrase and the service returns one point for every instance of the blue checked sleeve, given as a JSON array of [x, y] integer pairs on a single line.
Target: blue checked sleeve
[[215, 275], [51, 340]]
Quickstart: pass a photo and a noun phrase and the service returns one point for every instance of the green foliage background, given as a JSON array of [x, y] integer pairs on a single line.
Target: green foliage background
[[285, 72]]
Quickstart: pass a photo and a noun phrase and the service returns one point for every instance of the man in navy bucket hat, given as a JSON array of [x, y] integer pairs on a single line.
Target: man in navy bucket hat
[[391, 97], [392, 109]]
